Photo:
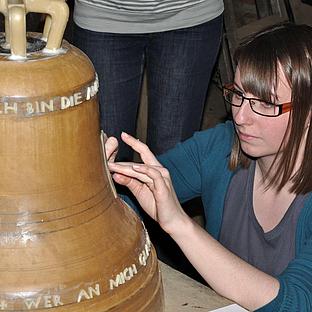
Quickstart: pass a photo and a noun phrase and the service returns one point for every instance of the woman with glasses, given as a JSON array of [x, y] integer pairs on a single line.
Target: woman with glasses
[[253, 174]]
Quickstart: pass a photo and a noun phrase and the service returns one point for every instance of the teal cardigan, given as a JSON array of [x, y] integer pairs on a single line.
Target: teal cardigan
[[199, 168]]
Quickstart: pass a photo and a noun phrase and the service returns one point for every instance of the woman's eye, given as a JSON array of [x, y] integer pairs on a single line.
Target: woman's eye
[[237, 94], [254, 102], [266, 104]]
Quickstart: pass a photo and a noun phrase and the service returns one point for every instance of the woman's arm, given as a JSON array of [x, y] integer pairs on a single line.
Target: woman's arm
[[225, 272]]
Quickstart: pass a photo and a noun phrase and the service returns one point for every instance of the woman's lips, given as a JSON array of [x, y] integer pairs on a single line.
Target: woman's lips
[[245, 136]]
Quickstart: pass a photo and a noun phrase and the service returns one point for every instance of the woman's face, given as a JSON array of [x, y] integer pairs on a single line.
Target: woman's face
[[261, 136]]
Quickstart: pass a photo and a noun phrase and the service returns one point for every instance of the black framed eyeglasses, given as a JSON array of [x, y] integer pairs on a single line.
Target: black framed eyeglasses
[[260, 107]]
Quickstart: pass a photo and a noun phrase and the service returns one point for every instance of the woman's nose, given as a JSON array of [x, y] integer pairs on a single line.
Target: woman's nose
[[242, 114]]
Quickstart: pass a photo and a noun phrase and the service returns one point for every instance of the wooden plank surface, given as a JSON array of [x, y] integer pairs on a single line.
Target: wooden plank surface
[[183, 294]]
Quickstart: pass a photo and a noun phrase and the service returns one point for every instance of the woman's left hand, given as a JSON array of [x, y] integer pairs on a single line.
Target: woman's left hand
[[168, 208]]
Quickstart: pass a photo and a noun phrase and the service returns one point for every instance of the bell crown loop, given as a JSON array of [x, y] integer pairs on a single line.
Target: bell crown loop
[[15, 12]]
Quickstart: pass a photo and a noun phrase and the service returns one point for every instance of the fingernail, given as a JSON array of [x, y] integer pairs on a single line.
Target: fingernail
[[136, 166], [124, 134]]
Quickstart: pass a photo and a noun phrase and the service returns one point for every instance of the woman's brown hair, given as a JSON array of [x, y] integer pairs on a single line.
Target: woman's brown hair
[[287, 47]]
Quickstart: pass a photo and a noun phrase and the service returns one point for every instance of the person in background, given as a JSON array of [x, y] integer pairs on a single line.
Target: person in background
[[176, 41], [253, 174]]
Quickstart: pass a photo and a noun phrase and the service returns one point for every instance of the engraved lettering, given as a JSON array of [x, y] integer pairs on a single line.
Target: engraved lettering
[[3, 305], [32, 303], [88, 96], [57, 301], [47, 301], [10, 107], [148, 241], [92, 90], [65, 102], [46, 106], [147, 250], [120, 279], [142, 259], [78, 98], [126, 275], [143, 256], [37, 106], [130, 272], [83, 294], [96, 84], [70, 101], [29, 108], [95, 291]]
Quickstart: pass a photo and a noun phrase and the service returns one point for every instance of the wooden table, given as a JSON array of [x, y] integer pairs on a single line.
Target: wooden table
[[183, 294]]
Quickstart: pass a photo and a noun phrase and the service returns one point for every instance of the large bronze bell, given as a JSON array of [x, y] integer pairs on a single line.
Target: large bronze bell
[[67, 242]]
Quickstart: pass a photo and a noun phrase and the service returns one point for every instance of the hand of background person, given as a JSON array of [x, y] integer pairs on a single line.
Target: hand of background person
[[150, 183]]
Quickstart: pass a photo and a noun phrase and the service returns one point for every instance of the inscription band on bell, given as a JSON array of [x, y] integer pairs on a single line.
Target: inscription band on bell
[[33, 106]]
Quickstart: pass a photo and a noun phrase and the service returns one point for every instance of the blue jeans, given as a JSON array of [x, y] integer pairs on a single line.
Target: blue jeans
[[178, 66]]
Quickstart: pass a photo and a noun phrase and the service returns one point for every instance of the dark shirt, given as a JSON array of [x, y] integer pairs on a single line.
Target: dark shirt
[[242, 234]]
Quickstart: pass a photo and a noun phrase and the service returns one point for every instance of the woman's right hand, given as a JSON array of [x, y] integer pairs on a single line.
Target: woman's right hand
[[110, 146], [121, 171], [150, 183]]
